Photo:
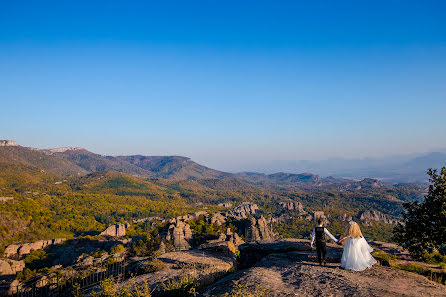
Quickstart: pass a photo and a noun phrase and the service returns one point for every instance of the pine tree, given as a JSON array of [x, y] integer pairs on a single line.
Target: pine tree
[[424, 224]]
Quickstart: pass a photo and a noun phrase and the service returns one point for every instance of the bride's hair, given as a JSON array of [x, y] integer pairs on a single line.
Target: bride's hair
[[353, 230]]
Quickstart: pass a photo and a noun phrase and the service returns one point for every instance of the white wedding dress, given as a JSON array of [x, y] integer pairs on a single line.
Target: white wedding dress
[[356, 255]]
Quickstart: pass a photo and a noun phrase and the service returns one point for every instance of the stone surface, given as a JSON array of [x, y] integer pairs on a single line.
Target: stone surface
[[10, 267], [4, 199], [180, 234], [258, 229], [208, 267], [223, 247], [293, 206], [243, 211], [26, 248], [8, 143], [116, 230], [225, 204], [366, 217], [285, 275]]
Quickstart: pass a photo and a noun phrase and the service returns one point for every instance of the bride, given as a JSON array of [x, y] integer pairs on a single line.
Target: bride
[[356, 255]]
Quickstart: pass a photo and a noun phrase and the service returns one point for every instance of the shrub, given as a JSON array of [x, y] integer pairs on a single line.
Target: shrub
[[117, 249], [151, 266], [179, 287], [384, 258], [242, 290], [433, 258]]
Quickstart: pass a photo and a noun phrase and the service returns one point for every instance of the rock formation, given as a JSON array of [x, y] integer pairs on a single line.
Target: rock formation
[[368, 216], [8, 143], [233, 237], [318, 215], [10, 267], [116, 230], [26, 248], [293, 206], [288, 268], [258, 230], [346, 218], [243, 211], [217, 218], [4, 199], [180, 234]]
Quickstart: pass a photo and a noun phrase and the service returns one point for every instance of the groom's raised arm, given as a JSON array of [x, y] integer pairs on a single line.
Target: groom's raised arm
[[329, 235]]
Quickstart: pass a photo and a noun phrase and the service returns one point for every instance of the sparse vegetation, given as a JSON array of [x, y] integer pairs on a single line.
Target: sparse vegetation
[[179, 287], [108, 288], [151, 266], [244, 290]]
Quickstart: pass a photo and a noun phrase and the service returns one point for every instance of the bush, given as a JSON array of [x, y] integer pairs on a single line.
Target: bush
[[179, 287], [433, 258], [384, 258], [151, 266], [117, 249]]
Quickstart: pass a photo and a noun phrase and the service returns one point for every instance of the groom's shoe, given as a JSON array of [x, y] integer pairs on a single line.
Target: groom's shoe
[[325, 263]]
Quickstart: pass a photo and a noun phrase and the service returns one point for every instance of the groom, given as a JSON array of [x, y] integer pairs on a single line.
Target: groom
[[319, 235]]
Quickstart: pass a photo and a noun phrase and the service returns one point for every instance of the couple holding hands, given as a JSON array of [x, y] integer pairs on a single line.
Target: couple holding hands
[[356, 255]]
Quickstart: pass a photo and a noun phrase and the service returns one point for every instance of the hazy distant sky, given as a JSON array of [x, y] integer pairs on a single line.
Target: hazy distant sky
[[225, 82]]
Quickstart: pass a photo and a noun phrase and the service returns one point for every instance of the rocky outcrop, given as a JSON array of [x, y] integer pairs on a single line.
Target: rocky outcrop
[[318, 215], [258, 229], [10, 267], [346, 218], [180, 234], [8, 143], [64, 149], [4, 199], [26, 248], [217, 218], [116, 230], [222, 247], [366, 217], [370, 183], [207, 267], [225, 204], [284, 273], [293, 206], [243, 211], [233, 237]]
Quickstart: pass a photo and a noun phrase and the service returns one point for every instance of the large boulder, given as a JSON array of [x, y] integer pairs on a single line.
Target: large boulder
[[10, 267], [11, 250]]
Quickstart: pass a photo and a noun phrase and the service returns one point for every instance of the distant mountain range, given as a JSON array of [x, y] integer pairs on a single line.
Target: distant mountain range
[[70, 161], [394, 169]]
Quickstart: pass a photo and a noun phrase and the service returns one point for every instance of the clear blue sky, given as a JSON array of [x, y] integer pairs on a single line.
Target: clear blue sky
[[226, 83]]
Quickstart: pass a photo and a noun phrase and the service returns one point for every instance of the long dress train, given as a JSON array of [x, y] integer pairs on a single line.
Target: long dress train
[[356, 255]]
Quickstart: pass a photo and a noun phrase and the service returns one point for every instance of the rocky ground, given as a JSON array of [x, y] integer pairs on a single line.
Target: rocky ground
[[206, 266], [290, 270], [281, 275]]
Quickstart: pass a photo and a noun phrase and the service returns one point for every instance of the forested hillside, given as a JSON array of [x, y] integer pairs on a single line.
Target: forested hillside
[[53, 195]]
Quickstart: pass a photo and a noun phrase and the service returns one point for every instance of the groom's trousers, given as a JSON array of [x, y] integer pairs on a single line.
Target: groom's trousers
[[321, 249]]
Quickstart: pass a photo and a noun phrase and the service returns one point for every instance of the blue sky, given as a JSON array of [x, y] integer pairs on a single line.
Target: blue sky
[[227, 83]]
